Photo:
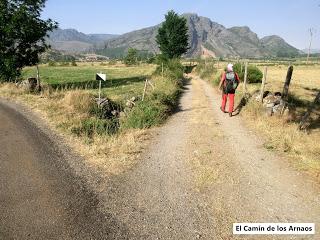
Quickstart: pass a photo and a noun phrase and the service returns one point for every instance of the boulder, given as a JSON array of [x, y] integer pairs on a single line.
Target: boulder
[[108, 108], [29, 85], [131, 102]]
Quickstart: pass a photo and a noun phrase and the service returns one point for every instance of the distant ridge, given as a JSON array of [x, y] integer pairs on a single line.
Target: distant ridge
[[205, 38], [72, 41]]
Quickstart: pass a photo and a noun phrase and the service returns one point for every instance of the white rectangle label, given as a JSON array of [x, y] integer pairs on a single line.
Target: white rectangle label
[[273, 228]]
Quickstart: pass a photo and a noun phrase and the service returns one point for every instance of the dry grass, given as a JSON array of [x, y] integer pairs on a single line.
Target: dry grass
[[280, 134], [63, 110]]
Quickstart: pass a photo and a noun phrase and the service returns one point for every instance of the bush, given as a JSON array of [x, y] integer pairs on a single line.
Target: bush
[[254, 74], [216, 80], [112, 62], [52, 63], [146, 114], [91, 126], [73, 63], [157, 106], [64, 64], [173, 70], [168, 99]]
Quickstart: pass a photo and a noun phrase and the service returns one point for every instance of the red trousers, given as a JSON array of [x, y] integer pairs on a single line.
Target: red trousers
[[224, 101]]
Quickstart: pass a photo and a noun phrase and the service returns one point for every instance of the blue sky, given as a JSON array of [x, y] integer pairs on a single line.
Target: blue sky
[[288, 19]]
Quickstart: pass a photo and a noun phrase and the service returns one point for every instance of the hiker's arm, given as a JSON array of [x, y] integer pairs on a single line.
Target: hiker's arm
[[238, 80], [222, 80]]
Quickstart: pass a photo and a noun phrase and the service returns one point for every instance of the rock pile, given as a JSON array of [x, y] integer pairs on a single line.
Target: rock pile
[[131, 102], [29, 85], [272, 102], [108, 109]]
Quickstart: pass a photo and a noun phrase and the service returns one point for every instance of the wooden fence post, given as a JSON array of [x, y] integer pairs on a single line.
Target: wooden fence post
[[245, 78], [287, 84], [38, 79], [162, 70], [144, 89], [264, 80]]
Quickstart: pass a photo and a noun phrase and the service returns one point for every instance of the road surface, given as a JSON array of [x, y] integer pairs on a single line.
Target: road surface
[[41, 197]]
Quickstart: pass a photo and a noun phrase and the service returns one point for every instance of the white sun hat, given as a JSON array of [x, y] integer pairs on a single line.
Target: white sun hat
[[230, 67]]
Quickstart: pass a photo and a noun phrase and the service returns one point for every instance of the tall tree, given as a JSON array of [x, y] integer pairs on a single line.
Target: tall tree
[[172, 36], [131, 58], [22, 35]]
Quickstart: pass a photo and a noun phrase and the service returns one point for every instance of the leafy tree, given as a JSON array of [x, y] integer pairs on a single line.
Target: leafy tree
[[22, 35], [172, 36], [131, 58]]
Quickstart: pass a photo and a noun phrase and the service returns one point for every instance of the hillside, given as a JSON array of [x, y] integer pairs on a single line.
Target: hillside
[[72, 41], [209, 38]]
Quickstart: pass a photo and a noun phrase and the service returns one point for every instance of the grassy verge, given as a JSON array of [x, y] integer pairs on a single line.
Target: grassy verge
[[109, 143], [161, 101], [281, 133]]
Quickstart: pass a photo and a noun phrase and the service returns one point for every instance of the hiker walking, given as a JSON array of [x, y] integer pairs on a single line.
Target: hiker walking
[[228, 84]]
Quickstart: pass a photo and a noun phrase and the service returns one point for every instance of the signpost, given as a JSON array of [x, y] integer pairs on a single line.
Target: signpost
[[100, 77]]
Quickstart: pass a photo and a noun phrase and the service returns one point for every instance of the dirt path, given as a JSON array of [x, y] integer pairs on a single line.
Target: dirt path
[[245, 183], [197, 178]]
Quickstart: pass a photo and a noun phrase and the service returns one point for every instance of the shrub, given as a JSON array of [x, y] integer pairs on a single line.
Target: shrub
[[73, 63], [112, 62], [254, 75], [91, 126], [52, 63], [157, 106], [168, 99], [64, 64], [216, 80], [173, 70], [146, 114]]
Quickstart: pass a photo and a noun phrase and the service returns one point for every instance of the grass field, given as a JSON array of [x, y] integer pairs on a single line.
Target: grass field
[[121, 81]]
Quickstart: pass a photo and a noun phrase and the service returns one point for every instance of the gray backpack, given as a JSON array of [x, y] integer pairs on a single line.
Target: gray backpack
[[231, 82]]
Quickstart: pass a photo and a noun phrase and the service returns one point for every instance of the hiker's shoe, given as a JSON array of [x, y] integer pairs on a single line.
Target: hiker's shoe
[[230, 114], [222, 110]]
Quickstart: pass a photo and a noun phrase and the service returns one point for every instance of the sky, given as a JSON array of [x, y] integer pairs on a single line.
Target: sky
[[290, 19]]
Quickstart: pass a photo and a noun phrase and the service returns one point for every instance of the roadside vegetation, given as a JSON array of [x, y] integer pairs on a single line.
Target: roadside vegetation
[[69, 102], [280, 132]]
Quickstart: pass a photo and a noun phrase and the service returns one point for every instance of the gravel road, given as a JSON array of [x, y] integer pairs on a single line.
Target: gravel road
[[41, 196]]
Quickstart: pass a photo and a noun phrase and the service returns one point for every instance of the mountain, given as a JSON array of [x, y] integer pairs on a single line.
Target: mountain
[[72, 41], [206, 38], [278, 47]]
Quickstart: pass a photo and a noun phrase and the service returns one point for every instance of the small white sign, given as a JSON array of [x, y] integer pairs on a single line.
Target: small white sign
[[101, 76], [273, 228]]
